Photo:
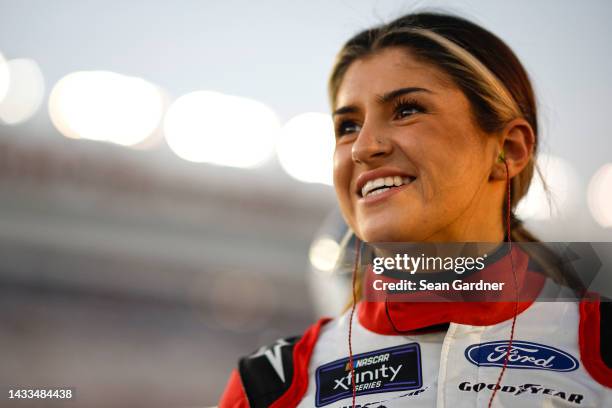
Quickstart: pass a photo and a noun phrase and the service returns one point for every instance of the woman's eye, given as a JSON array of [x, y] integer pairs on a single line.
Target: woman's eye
[[347, 127], [404, 110]]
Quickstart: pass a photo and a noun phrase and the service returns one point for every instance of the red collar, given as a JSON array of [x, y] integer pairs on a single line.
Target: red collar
[[408, 316]]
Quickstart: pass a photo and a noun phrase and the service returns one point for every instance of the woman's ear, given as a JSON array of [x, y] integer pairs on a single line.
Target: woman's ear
[[517, 142]]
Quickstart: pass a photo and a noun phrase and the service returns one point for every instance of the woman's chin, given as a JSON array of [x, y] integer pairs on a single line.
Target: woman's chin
[[386, 233]]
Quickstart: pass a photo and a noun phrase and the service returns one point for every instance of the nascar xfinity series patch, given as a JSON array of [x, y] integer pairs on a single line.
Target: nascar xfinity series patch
[[390, 369]]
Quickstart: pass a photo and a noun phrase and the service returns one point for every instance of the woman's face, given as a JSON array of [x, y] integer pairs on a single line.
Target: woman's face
[[410, 162]]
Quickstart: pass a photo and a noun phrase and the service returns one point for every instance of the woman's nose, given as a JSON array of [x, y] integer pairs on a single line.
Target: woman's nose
[[370, 145]]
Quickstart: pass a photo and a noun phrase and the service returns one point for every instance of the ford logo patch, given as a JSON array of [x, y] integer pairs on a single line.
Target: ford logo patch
[[523, 354]]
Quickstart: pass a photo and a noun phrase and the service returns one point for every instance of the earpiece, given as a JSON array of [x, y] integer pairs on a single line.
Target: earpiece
[[497, 172]]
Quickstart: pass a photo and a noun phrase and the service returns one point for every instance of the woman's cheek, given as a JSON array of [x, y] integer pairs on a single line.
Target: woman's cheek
[[342, 176], [342, 163], [343, 173]]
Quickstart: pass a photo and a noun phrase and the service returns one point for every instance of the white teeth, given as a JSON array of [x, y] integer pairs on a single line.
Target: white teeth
[[366, 188], [372, 187], [380, 191]]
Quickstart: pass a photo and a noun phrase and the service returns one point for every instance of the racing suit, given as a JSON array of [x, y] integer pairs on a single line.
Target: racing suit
[[440, 355]]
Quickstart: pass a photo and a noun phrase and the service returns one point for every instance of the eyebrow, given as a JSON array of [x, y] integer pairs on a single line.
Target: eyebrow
[[382, 99]]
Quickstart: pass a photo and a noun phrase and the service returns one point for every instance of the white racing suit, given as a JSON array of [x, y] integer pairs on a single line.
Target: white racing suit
[[439, 355]]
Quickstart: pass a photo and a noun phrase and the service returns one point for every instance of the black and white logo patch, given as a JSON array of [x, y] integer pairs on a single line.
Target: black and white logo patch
[[390, 369], [268, 373]]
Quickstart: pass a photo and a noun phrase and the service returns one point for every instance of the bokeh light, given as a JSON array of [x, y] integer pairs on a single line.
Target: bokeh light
[[305, 148], [600, 196], [562, 182], [211, 127], [24, 93], [106, 106], [324, 254], [5, 77]]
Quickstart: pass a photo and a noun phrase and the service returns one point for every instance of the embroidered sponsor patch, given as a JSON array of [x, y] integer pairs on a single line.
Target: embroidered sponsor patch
[[523, 354], [390, 369]]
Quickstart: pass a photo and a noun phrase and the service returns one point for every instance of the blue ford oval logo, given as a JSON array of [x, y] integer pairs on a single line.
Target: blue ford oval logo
[[523, 354]]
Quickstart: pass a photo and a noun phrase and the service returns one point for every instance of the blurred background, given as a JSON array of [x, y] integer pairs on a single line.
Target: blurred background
[[165, 172]]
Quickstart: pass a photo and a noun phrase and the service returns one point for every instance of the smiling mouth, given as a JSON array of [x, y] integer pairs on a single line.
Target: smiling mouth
[[382, 184]]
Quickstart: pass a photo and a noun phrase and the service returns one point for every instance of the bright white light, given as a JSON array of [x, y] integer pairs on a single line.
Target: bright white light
[[600, 195], [562, 181], [5, 77], [305, 148], [324, 253], [106, 106], [211, 127], [25, 91]]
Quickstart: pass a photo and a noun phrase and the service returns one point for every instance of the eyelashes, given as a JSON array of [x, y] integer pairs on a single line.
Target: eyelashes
[[345, 127], [403, 108]]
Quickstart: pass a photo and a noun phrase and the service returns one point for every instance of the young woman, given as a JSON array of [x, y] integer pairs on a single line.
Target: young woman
[[436, 133]]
